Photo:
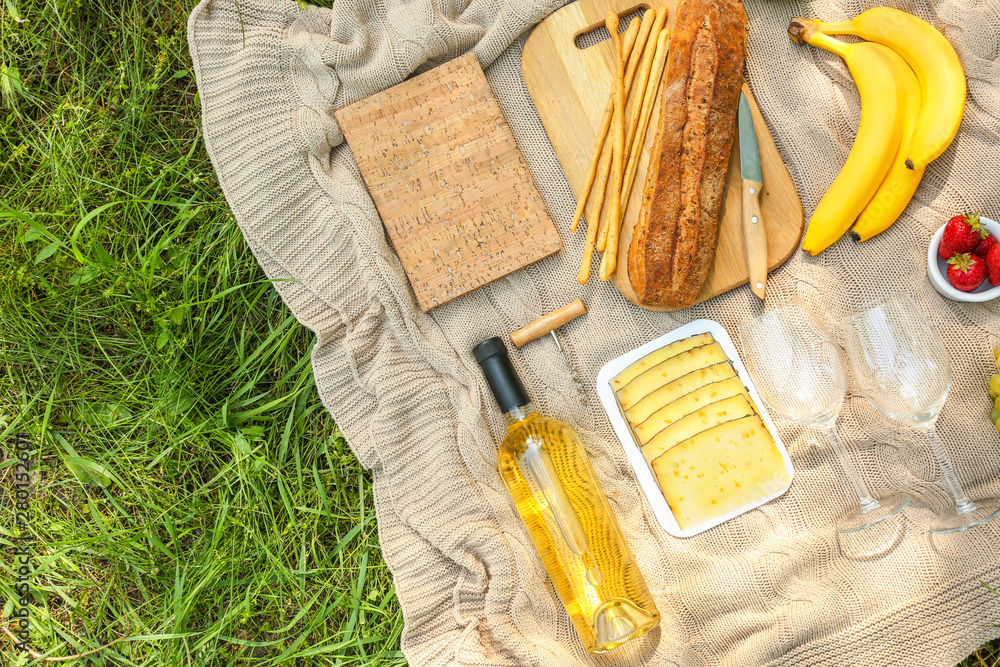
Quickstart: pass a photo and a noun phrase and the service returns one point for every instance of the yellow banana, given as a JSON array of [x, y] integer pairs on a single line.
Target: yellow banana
[[875, 145], [900, 183], [936, 65]]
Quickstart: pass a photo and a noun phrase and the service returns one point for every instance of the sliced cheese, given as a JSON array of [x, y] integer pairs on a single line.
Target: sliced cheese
[[669, 370], [652, 403], [656, 356], [691, 402], [720, 470], [694, 423]]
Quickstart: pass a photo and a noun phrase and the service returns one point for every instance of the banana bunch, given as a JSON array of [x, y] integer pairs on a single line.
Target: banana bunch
[[912, 90]]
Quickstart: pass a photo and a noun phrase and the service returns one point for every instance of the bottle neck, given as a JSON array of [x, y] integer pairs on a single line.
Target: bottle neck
[[519, 414]]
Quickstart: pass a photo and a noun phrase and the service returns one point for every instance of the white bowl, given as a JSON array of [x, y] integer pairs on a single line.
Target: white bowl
[[937, 270]]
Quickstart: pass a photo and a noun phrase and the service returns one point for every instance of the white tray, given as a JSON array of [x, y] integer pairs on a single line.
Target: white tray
[[647, 481]]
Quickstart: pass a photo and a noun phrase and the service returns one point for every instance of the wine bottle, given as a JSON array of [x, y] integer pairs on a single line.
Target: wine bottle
[[567, 515]]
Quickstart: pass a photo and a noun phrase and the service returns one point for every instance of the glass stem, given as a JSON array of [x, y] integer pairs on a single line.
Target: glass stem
[[868, 502], [962, 504]]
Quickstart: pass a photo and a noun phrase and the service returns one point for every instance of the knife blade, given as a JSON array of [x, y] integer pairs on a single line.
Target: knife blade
[[754, 234]]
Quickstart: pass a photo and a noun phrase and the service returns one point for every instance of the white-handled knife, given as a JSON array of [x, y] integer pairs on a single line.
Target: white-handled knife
[[754, 234]]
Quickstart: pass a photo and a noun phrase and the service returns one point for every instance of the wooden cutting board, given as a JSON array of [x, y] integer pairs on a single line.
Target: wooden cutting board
[[449, 182], [570, 87]]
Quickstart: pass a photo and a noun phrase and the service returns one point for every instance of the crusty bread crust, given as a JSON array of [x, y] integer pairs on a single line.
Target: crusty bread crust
[[673, 244]]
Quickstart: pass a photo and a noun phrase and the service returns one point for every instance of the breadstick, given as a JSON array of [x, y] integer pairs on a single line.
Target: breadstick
[[609, 261], [648, 102], [594, 222], [633, 36], [604, 171], [648, 54], [617, 157], [633, 119]]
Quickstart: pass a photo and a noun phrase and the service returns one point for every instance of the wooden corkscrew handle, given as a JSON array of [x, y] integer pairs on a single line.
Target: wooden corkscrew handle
[[548, 322]]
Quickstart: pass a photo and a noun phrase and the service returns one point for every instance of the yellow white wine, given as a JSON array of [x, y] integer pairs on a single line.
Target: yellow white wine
[[567, 515]]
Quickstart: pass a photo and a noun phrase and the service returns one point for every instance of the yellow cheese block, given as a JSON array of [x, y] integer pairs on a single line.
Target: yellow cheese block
[[720, 470], [691, 402], [669, 370], [656, 356], [694, 423], [642, 412]]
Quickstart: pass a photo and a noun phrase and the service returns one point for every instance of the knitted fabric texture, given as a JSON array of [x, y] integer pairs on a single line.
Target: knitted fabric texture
[[774, 586]]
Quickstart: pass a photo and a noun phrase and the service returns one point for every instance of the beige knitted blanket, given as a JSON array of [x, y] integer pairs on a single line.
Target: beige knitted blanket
[[772, 587]]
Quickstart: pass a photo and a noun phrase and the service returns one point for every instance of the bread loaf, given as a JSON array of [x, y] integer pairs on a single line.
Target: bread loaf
[[673, 244]]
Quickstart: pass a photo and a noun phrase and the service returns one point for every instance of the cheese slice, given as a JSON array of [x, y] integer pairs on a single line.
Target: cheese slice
[[689, 403], [669, 370], [656, 356], [646, 407], [720, 470], [700, 420]]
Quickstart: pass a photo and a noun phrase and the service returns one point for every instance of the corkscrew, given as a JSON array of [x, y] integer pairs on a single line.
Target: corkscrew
[[547, 324]]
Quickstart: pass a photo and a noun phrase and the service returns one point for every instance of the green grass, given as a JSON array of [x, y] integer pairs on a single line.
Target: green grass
[[194, 497], [193, 488]]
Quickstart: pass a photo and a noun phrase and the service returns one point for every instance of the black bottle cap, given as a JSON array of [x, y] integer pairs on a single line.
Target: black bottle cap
[[507, 388]]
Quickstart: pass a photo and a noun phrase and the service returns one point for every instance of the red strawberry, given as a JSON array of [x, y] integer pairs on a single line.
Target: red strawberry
[[966, 272], [963, 232], [983, 247], [993, 264], [945, 251]]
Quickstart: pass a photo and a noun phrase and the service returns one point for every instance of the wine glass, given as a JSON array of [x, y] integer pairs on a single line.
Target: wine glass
[[902, 368], [800, 373]]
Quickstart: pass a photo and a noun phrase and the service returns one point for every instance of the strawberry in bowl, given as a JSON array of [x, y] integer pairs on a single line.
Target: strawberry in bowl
[[985, 245], [966, 272], [962, 234], [962, 257], [993, 264]]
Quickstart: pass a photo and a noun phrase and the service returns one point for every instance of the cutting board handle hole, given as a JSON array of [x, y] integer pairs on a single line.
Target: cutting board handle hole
[[597, 33]]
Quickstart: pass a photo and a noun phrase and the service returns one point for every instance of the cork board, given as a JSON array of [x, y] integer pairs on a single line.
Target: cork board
[[449, 182]]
